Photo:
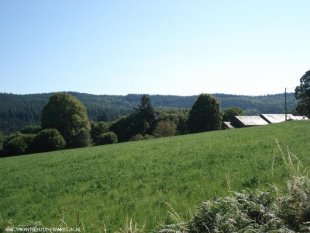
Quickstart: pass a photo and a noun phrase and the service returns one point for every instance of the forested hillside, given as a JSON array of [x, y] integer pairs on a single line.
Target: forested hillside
[[17, 111]]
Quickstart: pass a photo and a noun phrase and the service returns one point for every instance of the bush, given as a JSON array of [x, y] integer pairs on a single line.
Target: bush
[[165, 129], [139, 137], [48, 140], [123, 128], [250, 211], [81, 139], [97, 129], [17, 144], [107, 138], [254, 211]]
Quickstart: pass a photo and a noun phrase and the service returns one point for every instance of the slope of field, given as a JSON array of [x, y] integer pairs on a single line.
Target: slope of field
[[103, 186]]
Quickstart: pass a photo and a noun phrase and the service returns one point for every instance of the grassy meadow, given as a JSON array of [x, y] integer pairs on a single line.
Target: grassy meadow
[[100, 187]]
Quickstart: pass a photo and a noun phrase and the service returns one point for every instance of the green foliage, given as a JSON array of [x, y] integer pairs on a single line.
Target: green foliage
[[302, 93], [294, 207], [144, 116], [182, 127], [139, 137], [48, 140], [123, 128], [107, 138], [141, 121], [242, 212], [31, 129], [17, 144], [165, 129], [255, 211], [17, 111], [176, 116], [68, 115], [205, 114], [229, 113], [81, 139], [106, 185], [102, 117], [97, 129]]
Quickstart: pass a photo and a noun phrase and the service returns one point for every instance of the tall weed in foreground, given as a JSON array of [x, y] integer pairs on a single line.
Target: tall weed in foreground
[[256, 211], [294, 207], [131, 227]]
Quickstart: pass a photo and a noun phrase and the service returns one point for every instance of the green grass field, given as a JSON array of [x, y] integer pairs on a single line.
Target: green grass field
[[105, 185]]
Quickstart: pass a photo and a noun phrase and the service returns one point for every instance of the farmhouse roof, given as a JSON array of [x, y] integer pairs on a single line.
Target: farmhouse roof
[[299, 118], [228, 125], [251, 120], [276, 118]]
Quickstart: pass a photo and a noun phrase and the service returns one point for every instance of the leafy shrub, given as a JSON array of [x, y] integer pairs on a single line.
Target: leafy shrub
[[81, 139], [123, 128], [48, 140], [257, 211], [97, 129], [250, 211], [107, 138], [139, 137], [17, 144], [165, 129]]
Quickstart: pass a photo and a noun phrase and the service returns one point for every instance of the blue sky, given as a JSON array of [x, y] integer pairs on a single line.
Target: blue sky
[[180, 47]]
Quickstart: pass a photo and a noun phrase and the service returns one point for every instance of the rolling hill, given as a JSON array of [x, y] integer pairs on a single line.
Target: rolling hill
[[100, 187]]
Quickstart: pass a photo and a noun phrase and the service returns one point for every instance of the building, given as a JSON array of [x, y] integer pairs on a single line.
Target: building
[[276, 118], [263, 119], [227, 125], [247, 121]]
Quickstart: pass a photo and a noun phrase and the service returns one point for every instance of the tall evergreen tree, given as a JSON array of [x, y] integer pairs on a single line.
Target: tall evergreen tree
[[145, 116], [205, 114]]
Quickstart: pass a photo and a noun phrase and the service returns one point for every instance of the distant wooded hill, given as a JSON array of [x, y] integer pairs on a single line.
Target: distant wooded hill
[[17, 111]]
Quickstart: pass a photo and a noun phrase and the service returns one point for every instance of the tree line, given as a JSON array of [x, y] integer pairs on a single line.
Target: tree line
[[65, 124], [18, 111]]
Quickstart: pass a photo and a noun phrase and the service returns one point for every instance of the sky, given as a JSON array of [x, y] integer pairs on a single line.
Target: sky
[[176, 47]]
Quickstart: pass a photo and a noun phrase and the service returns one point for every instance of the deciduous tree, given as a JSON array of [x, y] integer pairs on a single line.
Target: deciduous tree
[[229, 113], [48, 140], [69, 116], [205, 114], [302, 93]]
